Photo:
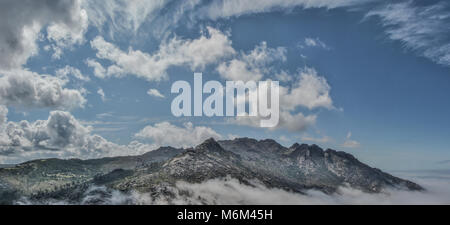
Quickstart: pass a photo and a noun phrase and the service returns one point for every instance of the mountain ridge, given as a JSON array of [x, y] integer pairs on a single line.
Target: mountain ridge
[[297, 168]]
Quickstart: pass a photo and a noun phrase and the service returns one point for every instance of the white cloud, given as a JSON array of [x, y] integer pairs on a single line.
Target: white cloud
[[22, 22], [129, 18], [63, 74], [421, 28], [296, 122], [102, 94], [3, 116], [27, 140], [166, 134], [235, 8], [29, 89], [61, 135], [314, 42], [349, 135], [284, 139], [283, 76], [104, 115], [254, 65], [122, 15], [310, 91], [324, 139], [195, 54], [232, 136], [230, 191], [238, 70], [155, 93], [66, 22], [99, 70], [349, 143], [65, 35], [289, 121]]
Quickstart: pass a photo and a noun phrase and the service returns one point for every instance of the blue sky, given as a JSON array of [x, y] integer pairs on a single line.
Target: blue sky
[[383, 69]]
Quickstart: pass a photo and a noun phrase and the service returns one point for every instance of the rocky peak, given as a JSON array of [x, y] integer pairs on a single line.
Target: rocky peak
[[306, 150], [271, 144], [252, 146], [243, 142], [338, 154], [210, 146], [299, 146]]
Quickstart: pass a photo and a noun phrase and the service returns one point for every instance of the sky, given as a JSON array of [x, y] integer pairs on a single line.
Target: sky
[[88, 79]]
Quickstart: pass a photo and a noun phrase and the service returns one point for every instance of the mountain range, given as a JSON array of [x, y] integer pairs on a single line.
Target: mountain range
[[297, 169]]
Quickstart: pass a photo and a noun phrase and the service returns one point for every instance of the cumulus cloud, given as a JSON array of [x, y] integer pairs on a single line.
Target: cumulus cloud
[[310, 91], [235, 8], [65, 35], [22, 22], [29, 89], [61, 135], [422, 28], [283, 76], [65, 72], [60, 130], [295, 122], [253, 65], [155, 93], [99, 70], [166, 134], [195, 54], [3, 116]]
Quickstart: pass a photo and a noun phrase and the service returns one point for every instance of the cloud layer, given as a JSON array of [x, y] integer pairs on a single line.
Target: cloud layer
[[421, 28], [229, 191]]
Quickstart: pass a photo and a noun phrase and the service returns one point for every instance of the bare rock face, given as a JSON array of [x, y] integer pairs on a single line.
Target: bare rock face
[[298, 168], [311, 166]]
